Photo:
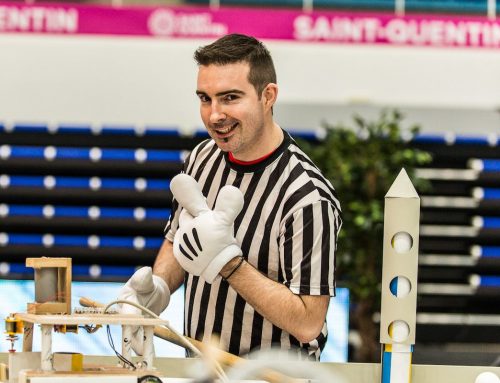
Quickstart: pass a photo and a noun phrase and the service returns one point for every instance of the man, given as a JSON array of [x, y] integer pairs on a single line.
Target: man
[[275, 289]]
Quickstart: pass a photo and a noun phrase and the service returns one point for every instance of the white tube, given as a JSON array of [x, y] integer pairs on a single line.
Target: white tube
[[46, 354], [28, 337], [46, 284], [127, 342], [148, 347]]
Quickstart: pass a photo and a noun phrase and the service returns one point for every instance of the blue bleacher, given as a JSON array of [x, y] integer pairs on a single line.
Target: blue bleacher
[[491, 193], [451, 138], [88, 193], [87, 272], [105, 154], [490, 251], [83, 182], [13, 239], [76, 185], [94, 212]]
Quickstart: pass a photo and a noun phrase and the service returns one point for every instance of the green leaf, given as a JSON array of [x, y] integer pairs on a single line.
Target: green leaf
[[362, 161]]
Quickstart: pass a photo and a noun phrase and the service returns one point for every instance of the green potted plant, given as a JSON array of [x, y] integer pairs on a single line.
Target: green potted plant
[[362, 162]]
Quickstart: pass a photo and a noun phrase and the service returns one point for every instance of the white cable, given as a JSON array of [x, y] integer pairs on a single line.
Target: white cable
[[187, 344]]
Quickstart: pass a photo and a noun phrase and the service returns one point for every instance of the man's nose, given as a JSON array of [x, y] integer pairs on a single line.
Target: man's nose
[[217, 114]]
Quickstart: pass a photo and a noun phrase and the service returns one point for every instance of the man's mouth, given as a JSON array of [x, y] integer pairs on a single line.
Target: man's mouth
[[225, 131]]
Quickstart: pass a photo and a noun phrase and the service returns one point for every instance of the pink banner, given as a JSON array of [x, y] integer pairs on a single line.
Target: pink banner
[[197, 22]]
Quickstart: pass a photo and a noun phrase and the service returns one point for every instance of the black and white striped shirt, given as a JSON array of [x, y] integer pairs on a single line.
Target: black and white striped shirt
[[287, 230]]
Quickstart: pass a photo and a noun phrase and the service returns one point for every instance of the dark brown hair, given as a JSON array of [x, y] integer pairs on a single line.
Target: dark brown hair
[[236, 48]]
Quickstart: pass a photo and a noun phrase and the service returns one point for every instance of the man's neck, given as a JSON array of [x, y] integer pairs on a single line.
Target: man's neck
[[273, 141]]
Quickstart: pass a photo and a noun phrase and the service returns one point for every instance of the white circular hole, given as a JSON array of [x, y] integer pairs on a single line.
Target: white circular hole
[[402, 242], [487, 377], [400, 286], [399, 331]]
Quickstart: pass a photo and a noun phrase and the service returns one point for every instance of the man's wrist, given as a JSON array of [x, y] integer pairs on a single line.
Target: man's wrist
[[231, 267]]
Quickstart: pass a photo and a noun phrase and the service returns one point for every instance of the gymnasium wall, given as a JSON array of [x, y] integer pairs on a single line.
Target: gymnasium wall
[[132, 80]]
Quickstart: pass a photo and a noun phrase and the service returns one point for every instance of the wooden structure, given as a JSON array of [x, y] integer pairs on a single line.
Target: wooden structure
[[52, 285], [127, 321]]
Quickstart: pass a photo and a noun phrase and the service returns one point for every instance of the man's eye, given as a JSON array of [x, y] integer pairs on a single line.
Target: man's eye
[[230, 97], [203, 97]]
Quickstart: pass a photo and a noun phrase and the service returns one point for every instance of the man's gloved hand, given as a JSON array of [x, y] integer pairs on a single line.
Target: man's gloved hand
[[204, 241], [148, 290]]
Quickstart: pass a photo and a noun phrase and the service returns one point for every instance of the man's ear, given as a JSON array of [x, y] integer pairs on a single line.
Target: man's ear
[[269, 95]]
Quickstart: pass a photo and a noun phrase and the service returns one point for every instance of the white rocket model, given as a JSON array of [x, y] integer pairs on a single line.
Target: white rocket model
[[399, 279]]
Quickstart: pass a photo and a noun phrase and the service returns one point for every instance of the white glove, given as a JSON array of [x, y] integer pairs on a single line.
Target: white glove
[[204, 241], [148, 290]]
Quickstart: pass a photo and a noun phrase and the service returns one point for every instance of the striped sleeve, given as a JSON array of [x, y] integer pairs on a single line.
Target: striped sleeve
[[307, 249], [173, 220]]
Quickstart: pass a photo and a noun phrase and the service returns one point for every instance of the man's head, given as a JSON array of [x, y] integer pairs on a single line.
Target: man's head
[[237, 48], [237, 89]]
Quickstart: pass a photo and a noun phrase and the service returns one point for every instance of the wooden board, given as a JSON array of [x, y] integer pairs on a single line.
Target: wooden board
[[75, 319], [96, 373], [19, 361], [48, 262], [352, 372], [95, 370], [48, 308]]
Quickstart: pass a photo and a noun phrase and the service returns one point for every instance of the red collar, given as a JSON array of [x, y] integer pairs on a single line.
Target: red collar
[[247, 163]]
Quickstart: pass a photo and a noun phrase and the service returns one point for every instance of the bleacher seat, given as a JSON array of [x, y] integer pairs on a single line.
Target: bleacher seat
[[459, 261], [101, 196], [97, 194]]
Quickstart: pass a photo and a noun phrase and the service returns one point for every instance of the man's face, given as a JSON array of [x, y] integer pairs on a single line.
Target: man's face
[[231, 109]]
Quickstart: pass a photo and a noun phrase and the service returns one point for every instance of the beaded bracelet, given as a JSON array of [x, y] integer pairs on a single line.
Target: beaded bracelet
[[235, 268]]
